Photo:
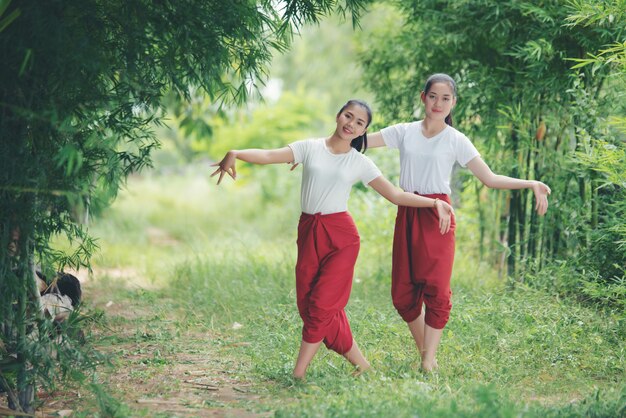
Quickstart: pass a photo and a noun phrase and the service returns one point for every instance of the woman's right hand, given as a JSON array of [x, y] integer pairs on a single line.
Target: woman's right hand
[[226, 166], [445, 212]]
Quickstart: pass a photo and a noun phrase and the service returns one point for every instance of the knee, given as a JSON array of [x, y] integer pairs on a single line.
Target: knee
[[340, 345], [438, 313], [409, 308]]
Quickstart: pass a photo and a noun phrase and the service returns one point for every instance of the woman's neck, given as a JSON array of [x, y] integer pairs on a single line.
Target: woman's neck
[[337, 145], [432, 127]]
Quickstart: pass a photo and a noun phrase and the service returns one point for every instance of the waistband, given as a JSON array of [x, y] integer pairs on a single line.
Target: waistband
[[318, 215], [433, 195]]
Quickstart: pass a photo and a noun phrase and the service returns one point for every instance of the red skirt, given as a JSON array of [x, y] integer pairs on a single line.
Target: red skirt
[[422, 265], [328, 246]]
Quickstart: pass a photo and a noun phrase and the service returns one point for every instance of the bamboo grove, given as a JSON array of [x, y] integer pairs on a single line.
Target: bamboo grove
[[540, 103]]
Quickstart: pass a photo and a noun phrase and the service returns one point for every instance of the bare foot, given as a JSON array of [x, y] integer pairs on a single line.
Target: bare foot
[[430, 366], [360, 370]]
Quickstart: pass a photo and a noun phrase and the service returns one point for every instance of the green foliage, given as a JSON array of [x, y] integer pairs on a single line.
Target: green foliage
[[607, 14], [188, 124], [6, 20]]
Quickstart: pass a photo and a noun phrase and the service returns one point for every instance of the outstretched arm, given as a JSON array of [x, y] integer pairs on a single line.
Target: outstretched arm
[[401, 198], [496, 181], [255, 156], [375, 140]]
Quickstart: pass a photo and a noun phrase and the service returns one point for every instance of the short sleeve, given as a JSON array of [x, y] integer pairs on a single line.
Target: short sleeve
[[393, 135], [300, 149], [465, 150], [369, 171]]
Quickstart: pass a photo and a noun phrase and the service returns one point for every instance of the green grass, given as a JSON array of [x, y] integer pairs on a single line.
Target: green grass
[[227, 256]]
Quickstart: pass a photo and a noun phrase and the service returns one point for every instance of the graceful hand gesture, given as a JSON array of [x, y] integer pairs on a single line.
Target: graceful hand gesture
[[541, 191], [226, 166], [445, 212]]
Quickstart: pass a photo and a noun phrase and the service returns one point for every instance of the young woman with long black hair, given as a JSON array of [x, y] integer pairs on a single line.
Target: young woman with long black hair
[[423, 258]]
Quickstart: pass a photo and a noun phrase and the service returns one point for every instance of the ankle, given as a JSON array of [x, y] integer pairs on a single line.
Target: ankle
[[360, 370], [429, 365], [299, 374]]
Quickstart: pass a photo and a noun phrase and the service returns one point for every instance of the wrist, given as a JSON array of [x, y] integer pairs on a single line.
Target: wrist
[[435, 202]]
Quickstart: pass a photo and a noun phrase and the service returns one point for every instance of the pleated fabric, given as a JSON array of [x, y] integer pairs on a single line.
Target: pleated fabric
[[328, 246], [422, 265]]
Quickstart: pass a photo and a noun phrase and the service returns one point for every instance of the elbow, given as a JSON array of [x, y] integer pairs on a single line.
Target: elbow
[[489, 182], [395, 198]]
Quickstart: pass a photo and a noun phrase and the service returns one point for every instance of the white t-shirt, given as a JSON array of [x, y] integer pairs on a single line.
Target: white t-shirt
[[327, 178], [426, 163]]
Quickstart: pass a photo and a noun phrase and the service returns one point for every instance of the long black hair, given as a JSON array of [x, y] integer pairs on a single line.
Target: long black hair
[[441, 78], [360, 142]]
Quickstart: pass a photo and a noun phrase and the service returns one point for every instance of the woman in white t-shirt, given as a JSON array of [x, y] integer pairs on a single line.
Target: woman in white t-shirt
[[328, 241], [422, 258]]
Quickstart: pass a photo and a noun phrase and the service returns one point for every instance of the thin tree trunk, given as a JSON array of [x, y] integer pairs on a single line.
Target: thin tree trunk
[[481, 224], [512, 234]]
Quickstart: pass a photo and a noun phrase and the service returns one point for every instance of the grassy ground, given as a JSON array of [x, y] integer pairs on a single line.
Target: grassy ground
[[200, 320]]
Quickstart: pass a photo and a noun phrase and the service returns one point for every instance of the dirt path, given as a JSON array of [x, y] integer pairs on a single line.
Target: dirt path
[[161, 366]]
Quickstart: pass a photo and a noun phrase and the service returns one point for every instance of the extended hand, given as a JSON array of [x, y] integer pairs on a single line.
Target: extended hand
[[542, 191], [445, 212], [226, 166]]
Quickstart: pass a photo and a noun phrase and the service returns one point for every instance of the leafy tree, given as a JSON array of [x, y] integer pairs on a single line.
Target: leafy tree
[[81, 85], [512, 62]]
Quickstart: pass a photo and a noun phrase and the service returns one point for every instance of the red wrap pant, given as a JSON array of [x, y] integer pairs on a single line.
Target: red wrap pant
[[422, 265], [328, 246]]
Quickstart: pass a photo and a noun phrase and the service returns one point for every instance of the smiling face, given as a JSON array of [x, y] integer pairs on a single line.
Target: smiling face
[[352, 121], [438, 101]]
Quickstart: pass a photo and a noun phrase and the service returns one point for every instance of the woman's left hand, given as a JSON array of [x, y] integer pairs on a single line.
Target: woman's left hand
[[445, 212], [226, 166], [542, 191]]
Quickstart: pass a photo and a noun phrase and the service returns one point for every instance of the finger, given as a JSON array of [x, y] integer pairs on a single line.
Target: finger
[[542, 207], [293, 167], [215, 164], [216, 171], [541, 211], [221, 177], [234, 175]]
